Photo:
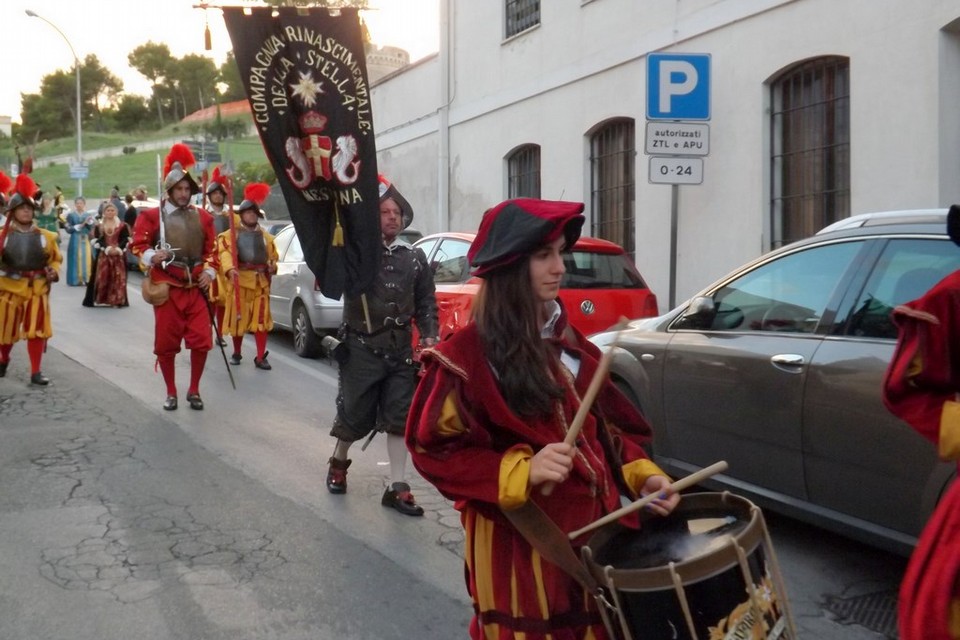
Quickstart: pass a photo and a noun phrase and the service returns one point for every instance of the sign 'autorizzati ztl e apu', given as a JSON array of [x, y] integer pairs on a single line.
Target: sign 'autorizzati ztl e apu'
[[304, 72]]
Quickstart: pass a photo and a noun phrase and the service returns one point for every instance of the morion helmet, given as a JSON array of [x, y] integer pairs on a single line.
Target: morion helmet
[[23, 191], [388, 191], [253, 196], [177, 167], [219, 181]]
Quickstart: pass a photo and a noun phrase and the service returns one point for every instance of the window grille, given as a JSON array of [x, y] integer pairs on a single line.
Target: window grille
[[612, 173], [521, 15], [810, 151], [523, 172]]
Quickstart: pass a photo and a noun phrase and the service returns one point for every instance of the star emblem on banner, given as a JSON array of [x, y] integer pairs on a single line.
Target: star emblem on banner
[[307, 89]]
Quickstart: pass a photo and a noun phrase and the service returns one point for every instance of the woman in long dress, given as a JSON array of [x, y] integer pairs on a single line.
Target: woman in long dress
[[80, 223], [109, 240]]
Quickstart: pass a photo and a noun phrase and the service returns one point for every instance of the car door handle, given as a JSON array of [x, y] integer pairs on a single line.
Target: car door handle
[[647, 357], [788, 359]]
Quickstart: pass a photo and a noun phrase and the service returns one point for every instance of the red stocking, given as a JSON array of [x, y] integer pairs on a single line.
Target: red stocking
[[237, 343], [197, 360], [169, 377], [5, 352], [35, 351], [261, 338]]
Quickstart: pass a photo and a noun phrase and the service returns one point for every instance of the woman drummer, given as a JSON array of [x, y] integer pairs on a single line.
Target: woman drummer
[[490, 415]]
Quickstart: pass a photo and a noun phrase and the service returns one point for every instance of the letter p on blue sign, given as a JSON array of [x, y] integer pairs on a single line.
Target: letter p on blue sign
[[678, 86]]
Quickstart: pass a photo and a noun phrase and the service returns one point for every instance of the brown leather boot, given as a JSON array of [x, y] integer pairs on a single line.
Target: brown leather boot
[[337, 475]]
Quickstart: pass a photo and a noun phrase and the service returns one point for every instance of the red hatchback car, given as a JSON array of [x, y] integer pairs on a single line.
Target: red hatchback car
[[601, 283]]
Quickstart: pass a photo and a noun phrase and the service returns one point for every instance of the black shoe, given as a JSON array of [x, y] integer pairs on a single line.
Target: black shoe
[[170, 404], [398, 496], [236, 358], [337, 475], [261, 363], [221, 342], [3, 368], [195, 401], [39, 379]]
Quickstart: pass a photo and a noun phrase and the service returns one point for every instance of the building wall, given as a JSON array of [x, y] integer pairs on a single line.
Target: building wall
[[586, 63]]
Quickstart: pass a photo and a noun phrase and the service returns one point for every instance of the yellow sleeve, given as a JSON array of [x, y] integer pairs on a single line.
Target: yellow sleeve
[[54, 257], [949, 442], [636, 473], [226, 254], [515, 477]]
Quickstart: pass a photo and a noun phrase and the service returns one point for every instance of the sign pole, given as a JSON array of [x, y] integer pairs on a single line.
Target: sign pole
[[674, 223]]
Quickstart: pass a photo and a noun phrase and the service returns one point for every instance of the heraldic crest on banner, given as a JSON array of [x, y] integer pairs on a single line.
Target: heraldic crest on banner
[[304, 71]]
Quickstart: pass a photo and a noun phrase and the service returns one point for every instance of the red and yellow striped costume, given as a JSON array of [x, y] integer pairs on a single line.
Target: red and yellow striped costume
[[466, 441], [254, 315], [25, 301]]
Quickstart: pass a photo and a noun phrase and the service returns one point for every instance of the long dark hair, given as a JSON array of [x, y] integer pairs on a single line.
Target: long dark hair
[[507, 316]]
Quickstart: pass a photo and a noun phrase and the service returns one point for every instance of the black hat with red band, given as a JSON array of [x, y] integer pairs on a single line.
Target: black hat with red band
[[516, 228]]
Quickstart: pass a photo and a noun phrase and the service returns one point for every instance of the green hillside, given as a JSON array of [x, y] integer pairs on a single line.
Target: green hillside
[[142, 167]]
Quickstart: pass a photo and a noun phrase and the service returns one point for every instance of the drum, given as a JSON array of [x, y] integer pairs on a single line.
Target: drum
[[707, 571]]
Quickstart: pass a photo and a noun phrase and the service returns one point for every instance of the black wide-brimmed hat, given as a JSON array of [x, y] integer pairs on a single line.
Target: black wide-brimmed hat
[[515, 228]]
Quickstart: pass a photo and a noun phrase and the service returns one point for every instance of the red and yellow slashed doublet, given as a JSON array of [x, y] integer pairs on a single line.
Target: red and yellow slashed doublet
[[25, 301], [254, 284], [922, 387], [465, 440], [218, 288]]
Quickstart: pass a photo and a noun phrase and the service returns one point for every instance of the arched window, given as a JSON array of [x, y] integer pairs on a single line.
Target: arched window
[[810, 148], [612, 162], [523, 172]]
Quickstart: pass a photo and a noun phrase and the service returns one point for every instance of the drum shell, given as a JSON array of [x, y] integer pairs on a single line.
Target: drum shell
[[648, 599]]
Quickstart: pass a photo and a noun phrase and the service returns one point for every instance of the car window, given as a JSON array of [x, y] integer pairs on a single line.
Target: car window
[[427, 246], [282, 240], [294, 251], [787, 294], [449, 263], [588, 270], [906, 269]]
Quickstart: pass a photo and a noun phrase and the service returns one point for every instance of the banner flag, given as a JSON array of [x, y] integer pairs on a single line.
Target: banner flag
[[305, 74]]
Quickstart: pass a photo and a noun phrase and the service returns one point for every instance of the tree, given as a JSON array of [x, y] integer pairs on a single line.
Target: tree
[[99, 88], [155, 63], [195, 78], [230, 77], [132, 113]]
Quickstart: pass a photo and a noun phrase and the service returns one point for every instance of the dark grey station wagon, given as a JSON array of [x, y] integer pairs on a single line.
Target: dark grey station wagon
[[777, 369]]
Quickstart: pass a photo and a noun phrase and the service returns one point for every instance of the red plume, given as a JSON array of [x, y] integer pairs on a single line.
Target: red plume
[[26, 187], [220, 177], [256, 192], [179, 153], [215, 176], [6, 184], [27, 165]]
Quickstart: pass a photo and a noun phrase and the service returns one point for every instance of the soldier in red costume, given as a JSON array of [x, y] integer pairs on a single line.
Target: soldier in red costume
[[922, 387], [177, 243], [29, 262], [248, 258]]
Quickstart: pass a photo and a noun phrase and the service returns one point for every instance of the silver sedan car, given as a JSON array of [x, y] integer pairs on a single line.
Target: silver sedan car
[[777, 369], [296, 303]]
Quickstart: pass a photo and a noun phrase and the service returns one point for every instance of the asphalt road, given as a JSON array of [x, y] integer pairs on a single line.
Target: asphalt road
[[119, 520]]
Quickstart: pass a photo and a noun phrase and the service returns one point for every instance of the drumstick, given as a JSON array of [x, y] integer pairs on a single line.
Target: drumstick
[[675, 487], [599, 377]]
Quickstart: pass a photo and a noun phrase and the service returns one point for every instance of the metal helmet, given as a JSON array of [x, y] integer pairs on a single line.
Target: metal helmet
[[253, 196], [389, 192], [23, 191], [219, 181], [177, 168]]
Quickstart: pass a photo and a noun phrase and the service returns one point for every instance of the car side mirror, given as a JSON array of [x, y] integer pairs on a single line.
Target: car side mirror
[[698, 315]]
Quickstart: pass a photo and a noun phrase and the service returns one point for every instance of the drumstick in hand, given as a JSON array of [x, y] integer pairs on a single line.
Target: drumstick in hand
[[675, 487], [599, 377]]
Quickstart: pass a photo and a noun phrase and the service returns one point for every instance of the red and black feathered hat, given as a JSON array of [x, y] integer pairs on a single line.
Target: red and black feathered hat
[[389, 192], [953, 223], [177, 167], [23, 191], [515, 228], [219, 181], [253, 196]]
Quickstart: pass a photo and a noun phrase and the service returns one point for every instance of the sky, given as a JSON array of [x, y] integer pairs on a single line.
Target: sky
[[111, 29]]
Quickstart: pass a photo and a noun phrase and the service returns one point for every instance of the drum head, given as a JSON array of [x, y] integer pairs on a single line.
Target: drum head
[[696, 528]]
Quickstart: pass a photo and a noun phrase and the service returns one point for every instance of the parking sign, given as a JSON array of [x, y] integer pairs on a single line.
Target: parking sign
[[678, 86]]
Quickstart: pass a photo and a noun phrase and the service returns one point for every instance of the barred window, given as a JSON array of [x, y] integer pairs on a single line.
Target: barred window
[[521, 15], [810, 152], [612, 160], [523, 172]]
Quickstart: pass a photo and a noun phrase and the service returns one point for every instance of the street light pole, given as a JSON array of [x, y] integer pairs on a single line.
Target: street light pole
[[76, 62]]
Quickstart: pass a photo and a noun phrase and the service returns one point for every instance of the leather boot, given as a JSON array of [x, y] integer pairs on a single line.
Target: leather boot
[[337, 475], [398, 497]]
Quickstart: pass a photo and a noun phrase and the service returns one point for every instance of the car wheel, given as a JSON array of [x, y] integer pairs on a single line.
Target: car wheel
[[306, 342]]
